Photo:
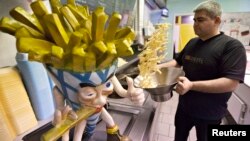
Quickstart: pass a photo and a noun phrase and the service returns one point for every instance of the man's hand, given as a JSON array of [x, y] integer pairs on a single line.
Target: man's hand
[[136, 95], [183, 85]]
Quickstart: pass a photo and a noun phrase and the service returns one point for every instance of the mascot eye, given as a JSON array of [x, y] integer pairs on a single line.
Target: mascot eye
[[87, 93], [108, 84], [90, 94]]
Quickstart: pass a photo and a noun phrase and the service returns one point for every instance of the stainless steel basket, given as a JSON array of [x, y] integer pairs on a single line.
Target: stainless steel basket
[[165, 83]]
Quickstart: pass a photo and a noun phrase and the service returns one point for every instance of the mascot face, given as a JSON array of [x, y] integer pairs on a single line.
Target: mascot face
[[95, 95], [90, 86]]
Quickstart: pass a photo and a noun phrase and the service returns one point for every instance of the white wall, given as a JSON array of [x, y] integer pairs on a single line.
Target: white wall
[[8, 42]]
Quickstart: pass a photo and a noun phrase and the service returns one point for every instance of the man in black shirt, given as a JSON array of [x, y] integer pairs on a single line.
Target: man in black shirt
[[214, 64]]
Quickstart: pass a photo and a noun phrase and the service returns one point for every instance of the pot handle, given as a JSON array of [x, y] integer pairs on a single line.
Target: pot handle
[[174, 88], [171, 92]]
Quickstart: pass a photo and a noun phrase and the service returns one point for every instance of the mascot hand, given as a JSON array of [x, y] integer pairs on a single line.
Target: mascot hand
[[136, 95], [60, 116]]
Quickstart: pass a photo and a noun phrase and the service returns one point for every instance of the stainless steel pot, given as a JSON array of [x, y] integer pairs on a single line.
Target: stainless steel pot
[[165, 83]]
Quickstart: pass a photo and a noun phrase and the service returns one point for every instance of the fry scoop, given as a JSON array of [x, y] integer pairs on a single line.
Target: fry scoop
[[163, 83]]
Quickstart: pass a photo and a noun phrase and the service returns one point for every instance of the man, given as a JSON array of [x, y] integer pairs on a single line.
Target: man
[[214, 65]]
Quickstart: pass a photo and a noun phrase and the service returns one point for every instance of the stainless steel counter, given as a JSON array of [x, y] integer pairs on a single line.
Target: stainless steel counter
[[239, 103]]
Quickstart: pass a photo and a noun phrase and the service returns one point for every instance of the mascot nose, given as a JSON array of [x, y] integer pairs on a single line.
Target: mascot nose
[[100, 99]]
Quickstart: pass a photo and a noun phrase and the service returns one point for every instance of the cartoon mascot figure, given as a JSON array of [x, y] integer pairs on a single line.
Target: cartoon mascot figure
[[73, 90]]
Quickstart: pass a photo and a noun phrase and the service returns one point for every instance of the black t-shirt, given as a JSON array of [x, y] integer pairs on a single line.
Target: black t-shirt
[[219, 56]]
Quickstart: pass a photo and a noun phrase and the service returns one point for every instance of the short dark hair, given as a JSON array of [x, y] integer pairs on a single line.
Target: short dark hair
[[212, 8]]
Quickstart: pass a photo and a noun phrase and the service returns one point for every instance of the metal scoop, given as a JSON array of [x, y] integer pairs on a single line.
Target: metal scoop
[[165, 83]]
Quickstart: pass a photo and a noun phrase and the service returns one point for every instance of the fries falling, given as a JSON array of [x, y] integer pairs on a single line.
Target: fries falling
[[153, 54]]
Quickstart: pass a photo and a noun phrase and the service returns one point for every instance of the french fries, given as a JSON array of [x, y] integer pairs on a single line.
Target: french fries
[[153, 54], [70, 38]]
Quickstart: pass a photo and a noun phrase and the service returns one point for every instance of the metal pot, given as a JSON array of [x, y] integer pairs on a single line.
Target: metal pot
[[165, 83]]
